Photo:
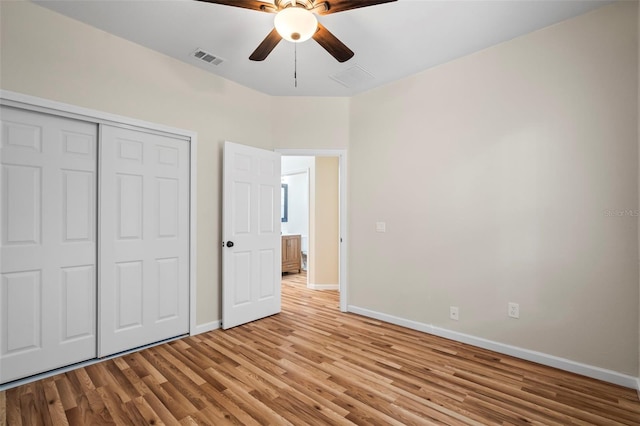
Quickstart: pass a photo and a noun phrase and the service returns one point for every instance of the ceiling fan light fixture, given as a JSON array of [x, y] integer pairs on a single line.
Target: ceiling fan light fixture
[[295, 24]]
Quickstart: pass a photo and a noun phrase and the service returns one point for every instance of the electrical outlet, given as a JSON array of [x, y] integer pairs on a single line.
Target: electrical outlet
[[454, 313], [513, 310]]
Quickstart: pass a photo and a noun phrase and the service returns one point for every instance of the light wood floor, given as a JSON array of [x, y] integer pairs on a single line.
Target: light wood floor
[[313, 365]]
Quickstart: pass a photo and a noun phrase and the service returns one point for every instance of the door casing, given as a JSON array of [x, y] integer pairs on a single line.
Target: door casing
[[342, 168]]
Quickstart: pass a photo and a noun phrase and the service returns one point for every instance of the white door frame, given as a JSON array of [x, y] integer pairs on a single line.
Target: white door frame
[[342, 170], [33, 103]]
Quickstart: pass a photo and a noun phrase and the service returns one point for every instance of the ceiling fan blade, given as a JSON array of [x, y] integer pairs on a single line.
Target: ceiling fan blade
[[267, 45], [246, 4], [335, 6], [331, 44]]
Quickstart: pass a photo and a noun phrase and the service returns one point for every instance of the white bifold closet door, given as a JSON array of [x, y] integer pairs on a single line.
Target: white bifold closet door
[[48, 251], [144, 239]]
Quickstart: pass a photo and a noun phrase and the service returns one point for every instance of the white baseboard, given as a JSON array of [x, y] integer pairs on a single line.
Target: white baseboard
[[323, 286], [526, 354], [207, 326]]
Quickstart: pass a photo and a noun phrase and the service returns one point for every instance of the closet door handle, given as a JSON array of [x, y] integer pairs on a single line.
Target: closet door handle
[[229, 244]]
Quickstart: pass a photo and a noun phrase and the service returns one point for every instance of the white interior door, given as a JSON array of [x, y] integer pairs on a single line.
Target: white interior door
[[251, 256], [144, 239], [48, 251]]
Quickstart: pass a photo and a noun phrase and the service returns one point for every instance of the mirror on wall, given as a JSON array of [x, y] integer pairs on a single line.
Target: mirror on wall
[[284, 202]]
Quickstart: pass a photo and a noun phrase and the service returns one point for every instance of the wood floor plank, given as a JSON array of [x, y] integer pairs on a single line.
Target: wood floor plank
[[233, 412], [139, 412], [141, 362], [179, 409], [312, 364], [178, 385], [160, 409], [175, 359], [56, 409], [29, 412], [67, 396], [237, 391], [115, 406]]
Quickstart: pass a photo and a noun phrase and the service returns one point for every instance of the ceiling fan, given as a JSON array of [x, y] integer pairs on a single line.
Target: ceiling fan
[[295, 21]]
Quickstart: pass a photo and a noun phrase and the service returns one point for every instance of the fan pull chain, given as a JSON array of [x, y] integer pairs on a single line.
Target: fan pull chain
[[295, 64]]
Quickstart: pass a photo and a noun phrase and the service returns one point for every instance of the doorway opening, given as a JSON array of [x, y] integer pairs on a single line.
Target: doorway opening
[[316, 211]]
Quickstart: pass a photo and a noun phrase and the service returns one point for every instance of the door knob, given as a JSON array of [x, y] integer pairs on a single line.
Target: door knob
[[229, 244]]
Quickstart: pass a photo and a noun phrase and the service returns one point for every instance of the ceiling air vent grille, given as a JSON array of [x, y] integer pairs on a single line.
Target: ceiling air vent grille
[[353, 77], [207, 57]]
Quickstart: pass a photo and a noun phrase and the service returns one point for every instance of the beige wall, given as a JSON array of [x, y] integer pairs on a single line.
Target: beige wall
[[494, 174], [310, 123], [324, 228], [48, 55]]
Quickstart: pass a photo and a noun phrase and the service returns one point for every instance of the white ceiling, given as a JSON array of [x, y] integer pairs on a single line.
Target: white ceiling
[[390, 41]]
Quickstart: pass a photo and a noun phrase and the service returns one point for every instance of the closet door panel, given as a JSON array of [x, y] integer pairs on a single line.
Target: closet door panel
[[168, 288], [23, 293], [48, 245], [78, 299], [21, 185], [78, 215], [128, 296], [144, 279]]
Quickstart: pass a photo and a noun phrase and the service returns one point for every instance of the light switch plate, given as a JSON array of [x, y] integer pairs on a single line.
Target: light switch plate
[[381, 227]]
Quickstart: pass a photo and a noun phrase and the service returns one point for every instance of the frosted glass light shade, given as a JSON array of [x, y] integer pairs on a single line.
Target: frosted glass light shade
[[295, 24]]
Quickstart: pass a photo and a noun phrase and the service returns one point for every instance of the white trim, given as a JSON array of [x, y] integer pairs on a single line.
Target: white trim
[[638, 387], [310, 152], [414, 325], [193, 235], [33, 103], [526, 354], [312, 286], [295, 172], [342, 165], [206, 327]]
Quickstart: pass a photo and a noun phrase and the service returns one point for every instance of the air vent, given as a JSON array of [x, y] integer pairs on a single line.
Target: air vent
[[353, 77], [207, 57]]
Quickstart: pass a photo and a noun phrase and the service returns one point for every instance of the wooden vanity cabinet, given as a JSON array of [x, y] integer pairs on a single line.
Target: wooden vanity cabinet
[[291, 254]]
